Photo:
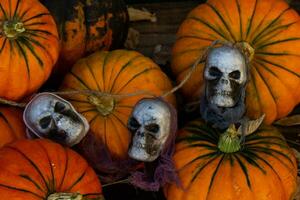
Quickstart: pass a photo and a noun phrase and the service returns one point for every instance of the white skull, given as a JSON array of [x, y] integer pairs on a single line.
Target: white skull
[[150, 124], [49, 116], [225, 75]]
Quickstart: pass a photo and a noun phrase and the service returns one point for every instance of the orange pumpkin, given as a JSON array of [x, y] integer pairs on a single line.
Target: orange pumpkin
[[36, 169], [12, 126], [264, 167], [270, 27], [29, 47], [119, 73]]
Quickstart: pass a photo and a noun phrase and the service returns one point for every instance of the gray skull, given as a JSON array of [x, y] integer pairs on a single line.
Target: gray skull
[[150, 124], [50, 116], [225, 74]]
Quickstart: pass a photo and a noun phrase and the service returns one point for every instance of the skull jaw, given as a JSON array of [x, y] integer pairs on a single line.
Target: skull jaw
[[137, 151], [225, 101]]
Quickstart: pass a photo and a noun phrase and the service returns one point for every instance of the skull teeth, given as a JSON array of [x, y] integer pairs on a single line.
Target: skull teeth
[[223, 93], [139, 145]]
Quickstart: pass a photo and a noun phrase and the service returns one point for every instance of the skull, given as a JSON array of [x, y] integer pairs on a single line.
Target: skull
[[150, 124], [225, 74], [49, 116]]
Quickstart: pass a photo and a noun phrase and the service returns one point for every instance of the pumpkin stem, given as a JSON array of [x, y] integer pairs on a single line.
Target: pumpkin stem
[[12, 29], [229, 142], [71, 196], [246, 48], [104, 104]]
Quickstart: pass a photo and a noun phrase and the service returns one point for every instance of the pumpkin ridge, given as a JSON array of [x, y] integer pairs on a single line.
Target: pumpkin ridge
[[36, 16], [244, 169], [31, 49], [16, 9], [80, 80], [31, 163], [89, 110], [78, 180], [245, 155], [37, 43], [116, 132], [280, 66], [270, 153], [21, 190], [257, 37], [259, 75], [199, 169], [122, 69], [283, 27], [28, 178], [94, 118], [3, 45], [209, 26], [23, 53], [9, 125], [52, 180], [223, 21], [36, 23], [277, 42], [66, 164], [214, 175], [92, 73], [4, 12], [268, 142], [195, 37], [21, 17], [240, 17], [135, 76], [272, 54]]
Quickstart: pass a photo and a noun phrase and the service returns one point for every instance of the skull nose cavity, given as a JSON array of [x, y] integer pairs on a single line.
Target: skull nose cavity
[[224, 81]]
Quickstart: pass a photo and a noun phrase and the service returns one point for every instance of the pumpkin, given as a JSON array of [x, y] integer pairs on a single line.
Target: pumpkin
[[209, 167], [126, 74], [86, 26], [42, 169], [270, 30], [29, 47], [11, 125]]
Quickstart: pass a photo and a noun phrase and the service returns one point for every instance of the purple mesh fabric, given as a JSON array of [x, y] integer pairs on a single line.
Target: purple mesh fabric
[[162, 170]]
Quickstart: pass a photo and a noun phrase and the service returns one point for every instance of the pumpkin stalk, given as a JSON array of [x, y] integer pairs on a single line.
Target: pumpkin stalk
[[247, 49], [12, 29], [104, 104], [229, 141], [71, 196]]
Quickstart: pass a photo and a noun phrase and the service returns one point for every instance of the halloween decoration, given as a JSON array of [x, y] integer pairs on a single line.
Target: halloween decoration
[[42, 169], [50, 116], [85, 27], [214, 165], [225, 77], [268, 31], [150, 126], [29, 47], [11, 125], [153, 124]]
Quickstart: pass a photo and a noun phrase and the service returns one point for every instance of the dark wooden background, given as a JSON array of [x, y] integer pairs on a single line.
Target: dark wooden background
[[170, 14]]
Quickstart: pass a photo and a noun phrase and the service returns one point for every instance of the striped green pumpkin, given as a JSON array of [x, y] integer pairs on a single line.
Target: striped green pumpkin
[[263, 168]]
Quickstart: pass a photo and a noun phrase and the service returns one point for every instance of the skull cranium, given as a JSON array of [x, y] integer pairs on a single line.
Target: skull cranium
[[150, 124], [49, 116], [225, 75]]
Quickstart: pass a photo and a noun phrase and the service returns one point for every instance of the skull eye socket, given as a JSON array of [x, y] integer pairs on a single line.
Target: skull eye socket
[[235, 74], [59, 107], [45, 122], [133, 124], [154, 128], [215, 72]]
